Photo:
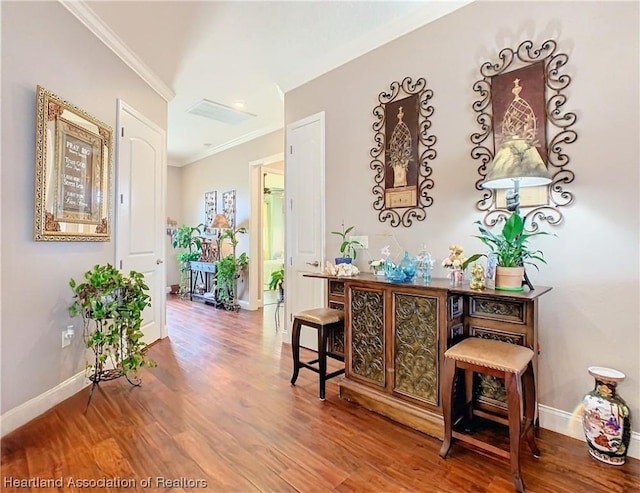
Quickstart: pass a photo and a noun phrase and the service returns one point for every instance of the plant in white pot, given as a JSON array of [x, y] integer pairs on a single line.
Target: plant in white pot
[[511, 250]]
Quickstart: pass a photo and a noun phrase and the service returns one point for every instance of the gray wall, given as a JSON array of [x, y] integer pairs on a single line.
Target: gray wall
[[42, 43], [591, 315]]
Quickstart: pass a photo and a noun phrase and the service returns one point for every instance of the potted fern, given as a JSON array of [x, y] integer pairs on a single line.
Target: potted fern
[[228, 270]]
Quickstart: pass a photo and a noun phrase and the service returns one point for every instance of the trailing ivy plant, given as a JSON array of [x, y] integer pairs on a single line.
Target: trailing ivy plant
[[111, 306]]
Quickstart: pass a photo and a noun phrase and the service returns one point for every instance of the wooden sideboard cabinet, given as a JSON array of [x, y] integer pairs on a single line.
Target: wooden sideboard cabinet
[[397, 333]]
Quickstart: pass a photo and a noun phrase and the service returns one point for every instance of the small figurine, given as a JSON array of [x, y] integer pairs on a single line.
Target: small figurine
[[477, 277]]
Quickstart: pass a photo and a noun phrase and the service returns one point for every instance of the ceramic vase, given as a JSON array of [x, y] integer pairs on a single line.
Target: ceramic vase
[[605, 419], [456, 276], [509, 278]]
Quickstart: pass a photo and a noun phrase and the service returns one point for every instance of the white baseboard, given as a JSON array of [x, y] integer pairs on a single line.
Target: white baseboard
[[571, 425], [243, 304], [33, 408]]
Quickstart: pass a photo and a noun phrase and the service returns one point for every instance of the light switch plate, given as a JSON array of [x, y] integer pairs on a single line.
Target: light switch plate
[[364, 241]]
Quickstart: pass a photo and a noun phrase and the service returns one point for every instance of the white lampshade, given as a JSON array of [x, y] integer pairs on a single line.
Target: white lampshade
[[517, 160]]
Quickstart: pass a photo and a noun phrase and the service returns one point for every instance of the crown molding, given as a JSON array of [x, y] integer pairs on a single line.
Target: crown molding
[[91, 21], [231, 143]]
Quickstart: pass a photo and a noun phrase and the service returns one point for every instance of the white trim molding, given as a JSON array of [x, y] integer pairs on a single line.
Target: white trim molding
[[91, 21], [230, 144], [18, 416], [571, 425]]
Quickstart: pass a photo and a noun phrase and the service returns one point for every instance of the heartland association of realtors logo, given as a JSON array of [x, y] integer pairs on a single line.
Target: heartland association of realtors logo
[[121, 483]]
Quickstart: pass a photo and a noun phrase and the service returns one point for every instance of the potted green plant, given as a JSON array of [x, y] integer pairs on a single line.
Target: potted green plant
[[348, 247], [276, 282], [511, 250], [187, 238], [111, 306], [228, 270]]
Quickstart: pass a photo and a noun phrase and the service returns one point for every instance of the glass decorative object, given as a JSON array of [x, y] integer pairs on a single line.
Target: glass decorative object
[[605, 419], [409, 266]]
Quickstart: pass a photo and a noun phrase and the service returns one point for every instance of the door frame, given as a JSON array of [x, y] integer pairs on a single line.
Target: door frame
[[289, 274], [121, 106], [256, 197]]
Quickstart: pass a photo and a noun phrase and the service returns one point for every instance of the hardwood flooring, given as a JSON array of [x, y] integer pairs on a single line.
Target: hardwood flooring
[[218, 414]]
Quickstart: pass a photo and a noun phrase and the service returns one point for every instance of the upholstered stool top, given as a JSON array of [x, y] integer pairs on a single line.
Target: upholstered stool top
[[321, 316], [491, 354]]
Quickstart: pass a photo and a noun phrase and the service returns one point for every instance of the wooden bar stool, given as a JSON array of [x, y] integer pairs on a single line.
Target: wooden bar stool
[[324, 320], [500, 359]]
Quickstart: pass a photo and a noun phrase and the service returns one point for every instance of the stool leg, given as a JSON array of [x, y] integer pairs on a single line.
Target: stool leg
[[295, 349], [513, 386], [448, 381], [530, 409], [322, 358]]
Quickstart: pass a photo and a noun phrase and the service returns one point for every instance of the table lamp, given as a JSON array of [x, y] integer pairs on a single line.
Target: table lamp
[[517, 164]]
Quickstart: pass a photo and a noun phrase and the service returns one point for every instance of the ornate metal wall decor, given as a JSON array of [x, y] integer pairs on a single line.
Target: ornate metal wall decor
[[548, 205], [402, 152]]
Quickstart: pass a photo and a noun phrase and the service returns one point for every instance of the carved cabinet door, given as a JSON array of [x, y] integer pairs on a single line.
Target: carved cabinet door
[[366, 336]]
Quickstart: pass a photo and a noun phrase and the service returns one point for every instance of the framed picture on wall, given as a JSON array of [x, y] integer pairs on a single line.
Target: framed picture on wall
[[229, 207], [210, 210]]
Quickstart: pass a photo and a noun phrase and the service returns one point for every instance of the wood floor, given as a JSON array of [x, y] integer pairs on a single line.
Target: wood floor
[[219, 410]]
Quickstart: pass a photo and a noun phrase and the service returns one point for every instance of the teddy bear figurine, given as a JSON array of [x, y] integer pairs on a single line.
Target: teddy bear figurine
[[477, 277]]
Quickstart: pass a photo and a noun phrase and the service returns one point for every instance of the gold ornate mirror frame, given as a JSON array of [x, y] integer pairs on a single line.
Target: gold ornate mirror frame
[[74, 153], [556, 131]]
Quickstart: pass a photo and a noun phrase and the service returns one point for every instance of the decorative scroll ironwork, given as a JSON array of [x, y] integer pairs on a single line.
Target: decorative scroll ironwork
[[367, 335], [455, 306], [512, 311], [559, 132], [426, 142], [416, 347]]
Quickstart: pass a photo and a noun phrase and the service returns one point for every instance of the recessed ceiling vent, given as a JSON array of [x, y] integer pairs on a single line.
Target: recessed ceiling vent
[[219, 112]]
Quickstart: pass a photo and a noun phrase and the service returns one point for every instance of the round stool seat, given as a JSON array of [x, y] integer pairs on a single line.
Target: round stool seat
[[321, 316], [498, 355]]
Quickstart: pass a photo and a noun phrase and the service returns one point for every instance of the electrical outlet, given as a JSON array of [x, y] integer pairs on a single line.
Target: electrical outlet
[[364, 241], [66, 341], [67, 335]]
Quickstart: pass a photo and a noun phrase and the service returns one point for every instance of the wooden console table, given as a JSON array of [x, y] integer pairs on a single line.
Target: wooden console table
[[396, 335]]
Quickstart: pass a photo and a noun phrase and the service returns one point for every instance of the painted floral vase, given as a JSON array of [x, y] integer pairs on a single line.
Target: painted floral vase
[[456, 276], [606, 420]]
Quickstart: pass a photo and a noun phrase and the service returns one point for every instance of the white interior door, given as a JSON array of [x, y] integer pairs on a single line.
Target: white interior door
[[304, 189], [141, 181]]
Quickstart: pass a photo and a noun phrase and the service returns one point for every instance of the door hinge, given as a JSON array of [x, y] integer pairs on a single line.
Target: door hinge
[[122, 198], [122, 131], [291, 261], [290, 204], [290, 149], [121, 265]]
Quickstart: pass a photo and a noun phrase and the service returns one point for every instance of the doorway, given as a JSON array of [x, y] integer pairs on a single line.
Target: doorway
[[273, 227]]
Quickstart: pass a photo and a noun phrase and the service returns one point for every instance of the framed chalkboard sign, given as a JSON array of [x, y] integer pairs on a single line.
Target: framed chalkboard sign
[[73, 173]]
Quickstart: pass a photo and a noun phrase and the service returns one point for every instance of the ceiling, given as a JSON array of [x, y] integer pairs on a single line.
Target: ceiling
[[243, 52]]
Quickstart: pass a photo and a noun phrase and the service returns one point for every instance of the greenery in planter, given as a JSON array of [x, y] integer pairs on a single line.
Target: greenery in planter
[[348, 247], [276, 282], [228, 270], [187, 238], [510, 246], [111, 306]]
